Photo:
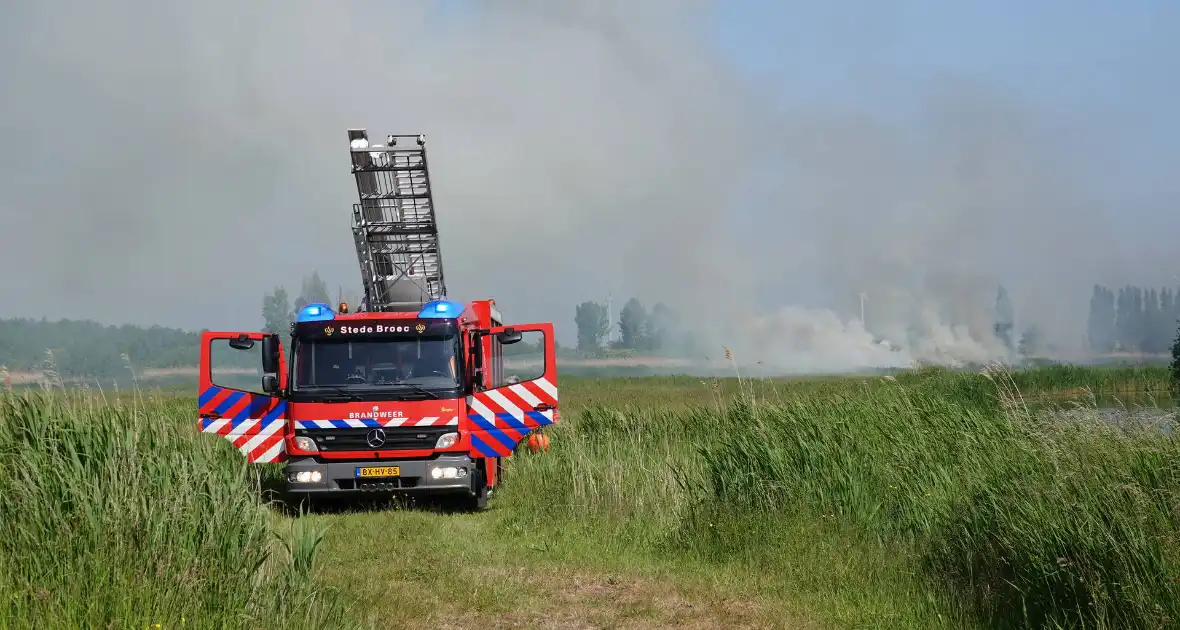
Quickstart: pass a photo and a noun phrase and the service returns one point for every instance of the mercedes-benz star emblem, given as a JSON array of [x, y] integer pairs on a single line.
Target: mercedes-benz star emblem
[[375, 438]]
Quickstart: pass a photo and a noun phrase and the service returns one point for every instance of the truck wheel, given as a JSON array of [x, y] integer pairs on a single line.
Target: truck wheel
[[480, 500]]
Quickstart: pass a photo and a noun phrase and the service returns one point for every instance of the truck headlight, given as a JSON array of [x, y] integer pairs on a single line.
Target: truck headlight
[[448, 472], [446, 440], [305, 443], [305, 476]]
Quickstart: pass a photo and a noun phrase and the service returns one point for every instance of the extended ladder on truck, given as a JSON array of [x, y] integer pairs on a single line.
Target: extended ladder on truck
[[394, 225]]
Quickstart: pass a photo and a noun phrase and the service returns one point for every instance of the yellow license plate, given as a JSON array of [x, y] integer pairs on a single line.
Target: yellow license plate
[[379, 471]]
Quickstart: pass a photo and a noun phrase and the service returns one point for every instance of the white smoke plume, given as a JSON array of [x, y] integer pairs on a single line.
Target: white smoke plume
[[169, 163]]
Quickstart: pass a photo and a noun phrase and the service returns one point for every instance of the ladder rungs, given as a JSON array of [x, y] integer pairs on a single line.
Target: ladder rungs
[[397, 194], [390, 229], [389, 168], [429, 256], [394, 226], [387, 228], [391, 207], [405, 259]]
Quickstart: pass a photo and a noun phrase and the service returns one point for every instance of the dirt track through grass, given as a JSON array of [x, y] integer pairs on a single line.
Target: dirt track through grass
[[461, 571]]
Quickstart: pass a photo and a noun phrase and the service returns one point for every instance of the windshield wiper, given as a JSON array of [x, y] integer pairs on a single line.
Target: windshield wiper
[[418, 388], [340, 393]]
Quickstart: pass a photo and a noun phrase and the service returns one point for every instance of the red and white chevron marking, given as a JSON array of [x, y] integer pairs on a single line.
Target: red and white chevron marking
[[369, 423], [260, 443], [514, 400]]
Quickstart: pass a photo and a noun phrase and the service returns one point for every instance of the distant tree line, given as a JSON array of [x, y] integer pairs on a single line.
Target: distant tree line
[[1133, 319], [87, 348], [278, 309], [658, 331], [661, 331], [1137, 319]]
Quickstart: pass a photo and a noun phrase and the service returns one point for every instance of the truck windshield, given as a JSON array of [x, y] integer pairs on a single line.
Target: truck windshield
[[425, 362]]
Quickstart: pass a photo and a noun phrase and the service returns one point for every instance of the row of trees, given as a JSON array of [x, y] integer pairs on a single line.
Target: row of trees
[[639, 330], [1146, 321], [278, 310], [1133, 319], [1029, 342], [658, 330], [661, 330], [1129, 319], [89, 348]]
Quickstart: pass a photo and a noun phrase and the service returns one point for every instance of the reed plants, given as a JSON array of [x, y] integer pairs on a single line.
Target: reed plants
[[931, 498], [947, 487], [118, 514]]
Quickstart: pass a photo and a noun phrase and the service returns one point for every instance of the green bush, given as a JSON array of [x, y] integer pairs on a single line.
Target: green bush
[[1175, 366]]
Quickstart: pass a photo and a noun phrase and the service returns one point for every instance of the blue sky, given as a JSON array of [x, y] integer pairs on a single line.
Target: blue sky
[[1110, 69], [1097, 54], [1084, 60]]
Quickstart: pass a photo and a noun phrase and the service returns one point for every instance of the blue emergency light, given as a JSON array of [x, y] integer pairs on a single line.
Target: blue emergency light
[[441, 309], [315, 313]]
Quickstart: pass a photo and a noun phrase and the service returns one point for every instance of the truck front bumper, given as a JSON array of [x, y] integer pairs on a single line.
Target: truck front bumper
[[442, 474]]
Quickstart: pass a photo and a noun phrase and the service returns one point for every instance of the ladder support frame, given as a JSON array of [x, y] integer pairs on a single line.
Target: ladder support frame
[[394, 225]]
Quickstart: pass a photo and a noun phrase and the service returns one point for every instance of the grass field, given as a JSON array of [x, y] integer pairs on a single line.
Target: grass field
[[926, 500]]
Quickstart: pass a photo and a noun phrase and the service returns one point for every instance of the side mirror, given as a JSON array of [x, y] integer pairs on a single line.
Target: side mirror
[[270, 383], [509, 337], [270, 354], [241, 342]]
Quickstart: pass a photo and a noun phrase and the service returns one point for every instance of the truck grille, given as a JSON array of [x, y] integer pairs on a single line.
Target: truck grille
[[396, 438]]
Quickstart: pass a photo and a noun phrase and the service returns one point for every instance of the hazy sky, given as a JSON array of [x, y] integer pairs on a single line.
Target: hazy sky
[[754, 164]]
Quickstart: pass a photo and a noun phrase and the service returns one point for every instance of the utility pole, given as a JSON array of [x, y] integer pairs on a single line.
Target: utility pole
[[863, 297]]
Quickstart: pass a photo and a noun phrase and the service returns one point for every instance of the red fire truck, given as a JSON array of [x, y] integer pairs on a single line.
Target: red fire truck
[[410, 393]]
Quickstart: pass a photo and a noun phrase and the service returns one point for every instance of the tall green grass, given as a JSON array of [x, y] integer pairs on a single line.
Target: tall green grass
[[687, 391], [1113, 379], [956, 502], [118, 515], [930, 499]]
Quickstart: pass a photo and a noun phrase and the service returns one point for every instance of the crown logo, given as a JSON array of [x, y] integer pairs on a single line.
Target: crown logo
[[329, 330], [420, 328]]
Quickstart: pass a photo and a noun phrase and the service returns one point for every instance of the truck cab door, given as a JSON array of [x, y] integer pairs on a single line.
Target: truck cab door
[[501, 416], [233, 402]]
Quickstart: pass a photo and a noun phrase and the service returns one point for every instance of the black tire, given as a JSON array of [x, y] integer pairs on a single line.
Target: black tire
[[479, 501]]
